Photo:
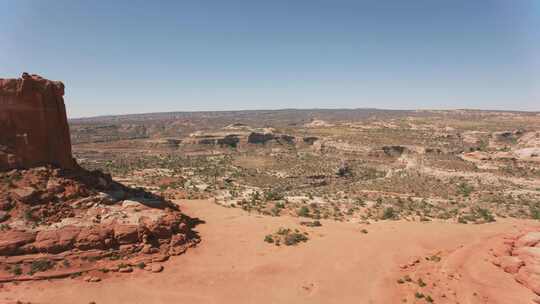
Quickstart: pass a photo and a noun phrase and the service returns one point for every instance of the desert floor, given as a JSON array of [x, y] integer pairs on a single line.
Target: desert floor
[[339, 264]]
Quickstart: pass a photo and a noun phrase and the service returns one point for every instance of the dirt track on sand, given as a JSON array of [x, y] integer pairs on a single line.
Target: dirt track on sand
[[339, 264]]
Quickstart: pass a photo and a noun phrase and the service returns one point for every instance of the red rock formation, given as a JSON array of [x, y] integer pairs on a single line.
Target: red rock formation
[[33, 123], [73, 221]]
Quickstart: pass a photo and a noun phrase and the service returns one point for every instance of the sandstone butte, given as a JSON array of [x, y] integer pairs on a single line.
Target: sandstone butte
[[33, 124]]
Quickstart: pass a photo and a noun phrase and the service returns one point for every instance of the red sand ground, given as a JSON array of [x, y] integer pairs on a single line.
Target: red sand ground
[[339, 264]]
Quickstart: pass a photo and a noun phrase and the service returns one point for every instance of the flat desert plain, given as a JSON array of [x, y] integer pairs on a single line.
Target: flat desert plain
[[382, 262]]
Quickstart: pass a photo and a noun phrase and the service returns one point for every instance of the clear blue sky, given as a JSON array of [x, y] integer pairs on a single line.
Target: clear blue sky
[[151, 56]]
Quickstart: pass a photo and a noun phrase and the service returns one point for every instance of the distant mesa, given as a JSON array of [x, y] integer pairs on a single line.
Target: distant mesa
[[33, 124], [238, 134]]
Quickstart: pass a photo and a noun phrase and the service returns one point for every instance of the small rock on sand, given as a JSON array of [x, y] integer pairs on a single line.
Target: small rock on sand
[[125, 269], [156, 268], [92, 279]]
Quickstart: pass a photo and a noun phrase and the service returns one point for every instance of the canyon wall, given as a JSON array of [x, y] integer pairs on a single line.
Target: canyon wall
[[33, 124]]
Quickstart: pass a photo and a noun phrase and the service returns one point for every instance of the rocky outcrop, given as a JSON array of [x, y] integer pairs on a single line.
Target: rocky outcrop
[[213, 139], [66, 220], [234, 139], [394, 151], [264, 137], [520, 256], [507, 136], [310, 140], [33, 123], [169, 143], [259, 137]]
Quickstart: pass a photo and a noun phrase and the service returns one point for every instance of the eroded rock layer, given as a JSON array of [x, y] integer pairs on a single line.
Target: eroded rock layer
[[520, 256], [56, 223]]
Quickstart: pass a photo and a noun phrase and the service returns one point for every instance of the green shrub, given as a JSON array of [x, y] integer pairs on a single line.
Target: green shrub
[[273, 195], [303, 211], [311, 224], [465, 189], [295, 238], [40, 266], [485, 214], [389, 214], [16, 270], [269, 239]]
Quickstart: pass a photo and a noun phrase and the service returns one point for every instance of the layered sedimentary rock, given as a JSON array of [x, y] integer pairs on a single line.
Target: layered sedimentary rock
[[33, 123], [520, 256], [78, 221], [215, 139]]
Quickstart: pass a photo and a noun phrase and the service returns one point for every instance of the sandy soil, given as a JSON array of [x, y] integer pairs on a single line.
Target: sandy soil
[[339, 264]]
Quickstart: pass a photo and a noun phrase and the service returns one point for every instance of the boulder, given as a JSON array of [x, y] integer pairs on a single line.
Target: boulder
[[25, 194], [126, 234], [125, 269], [178, 240], [163, 227], [156, 268]]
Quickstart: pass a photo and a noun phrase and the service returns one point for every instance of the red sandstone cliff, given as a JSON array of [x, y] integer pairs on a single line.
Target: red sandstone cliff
[[33, 123]]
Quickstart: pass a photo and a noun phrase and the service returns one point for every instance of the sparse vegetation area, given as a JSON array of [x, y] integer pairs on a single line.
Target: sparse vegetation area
[[40, 266], [356, 171], [287, 237]]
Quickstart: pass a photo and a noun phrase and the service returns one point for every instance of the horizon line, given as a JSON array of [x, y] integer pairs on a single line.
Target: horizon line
[[305, 109]]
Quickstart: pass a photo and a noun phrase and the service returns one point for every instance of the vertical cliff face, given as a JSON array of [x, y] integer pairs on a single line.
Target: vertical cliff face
[[33, 124]]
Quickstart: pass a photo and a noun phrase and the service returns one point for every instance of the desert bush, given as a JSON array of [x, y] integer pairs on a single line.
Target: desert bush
[[303, 211], [40, 266]]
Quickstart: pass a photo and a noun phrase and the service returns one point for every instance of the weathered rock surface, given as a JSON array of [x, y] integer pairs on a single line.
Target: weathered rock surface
[[510, 264], [12, 241], [61, 222], [528, 240], [33, 123], [522, 259]]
